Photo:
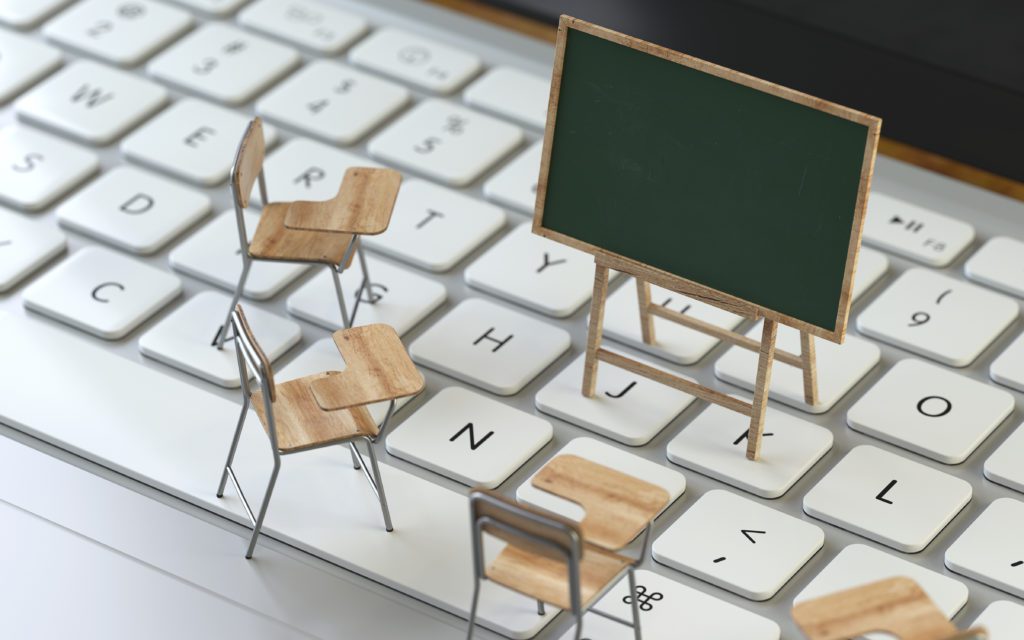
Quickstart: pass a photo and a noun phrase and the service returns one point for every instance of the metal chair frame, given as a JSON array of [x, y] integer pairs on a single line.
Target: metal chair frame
[[247, 260], [570, 548], [250, 359]]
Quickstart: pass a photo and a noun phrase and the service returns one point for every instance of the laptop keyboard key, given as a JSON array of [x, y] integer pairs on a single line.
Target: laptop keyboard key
[[538, 273], [224, 63], [915, 232], [424, 63], [333, 101], [469, 437], [714, 443], [626, 407], [1004, 466], [22, 14], [1002, 619], [871, 266], [999, 264], [933, 315], [662, 601], [859, 564], [887, 498], [738, 544], [123, 33], [314, 25], [91, 102], [304, 169], [490, 346], [37, 168], [930, 410], [395, 296], [184, 339], [434, 228], [102, 292], [515, 185], [214, 7], [25, 245], [191, 139], [23, 61], [989, 551], [511, 93], [133, 209], [446, 142], [212, 254], [673, 341], [840, 367]]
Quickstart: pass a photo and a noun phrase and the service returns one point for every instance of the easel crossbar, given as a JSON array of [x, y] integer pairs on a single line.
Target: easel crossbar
[[725, 335], [676, 382]]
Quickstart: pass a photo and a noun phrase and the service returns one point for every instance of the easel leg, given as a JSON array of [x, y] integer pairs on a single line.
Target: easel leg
[[595, 330], [761, 386], [810, 366], [643, 297]]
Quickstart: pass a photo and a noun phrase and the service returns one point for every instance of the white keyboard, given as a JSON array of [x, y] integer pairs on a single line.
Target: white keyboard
[[118, 125]]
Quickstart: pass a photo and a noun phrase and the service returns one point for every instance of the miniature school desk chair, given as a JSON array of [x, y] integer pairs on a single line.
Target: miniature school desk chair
[[897, 606], [276, 239], [546, 559], [294, 421]]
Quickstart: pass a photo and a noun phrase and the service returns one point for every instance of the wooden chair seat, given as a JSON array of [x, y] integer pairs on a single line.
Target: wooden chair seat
[[301, 424], [274, 241], [618, 506], [363, 204], [547, 579], [377, 368]]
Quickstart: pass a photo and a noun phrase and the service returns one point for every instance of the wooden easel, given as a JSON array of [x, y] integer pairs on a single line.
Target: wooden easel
[[765, 348]]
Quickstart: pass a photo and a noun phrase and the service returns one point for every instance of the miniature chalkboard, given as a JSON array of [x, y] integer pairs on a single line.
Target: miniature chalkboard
[[727, 187]]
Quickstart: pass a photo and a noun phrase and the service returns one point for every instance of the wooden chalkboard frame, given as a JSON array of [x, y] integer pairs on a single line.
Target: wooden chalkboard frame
[[646, 274], [671, 281]]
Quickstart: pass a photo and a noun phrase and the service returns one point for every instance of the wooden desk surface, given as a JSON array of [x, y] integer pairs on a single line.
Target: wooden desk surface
[[892, 148], [377, 368], [618, 506]]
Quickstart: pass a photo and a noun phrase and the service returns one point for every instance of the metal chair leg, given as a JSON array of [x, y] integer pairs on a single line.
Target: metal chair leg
[[380, 487], [634, 605], [540, 607], [579, 626], [234, 447], [263, 509], [472, 609], [345, 320], [364, 284], [355, 456], [222, 336]]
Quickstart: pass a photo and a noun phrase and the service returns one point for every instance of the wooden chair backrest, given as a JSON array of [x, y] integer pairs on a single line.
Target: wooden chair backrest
[[248, 162], [524, 527], [896, 605], [252, 354]]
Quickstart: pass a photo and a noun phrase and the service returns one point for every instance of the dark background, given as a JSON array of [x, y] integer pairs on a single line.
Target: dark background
[[946, 76]]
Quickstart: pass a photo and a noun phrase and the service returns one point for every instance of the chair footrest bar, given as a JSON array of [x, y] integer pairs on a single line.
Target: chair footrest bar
[[241, 495]]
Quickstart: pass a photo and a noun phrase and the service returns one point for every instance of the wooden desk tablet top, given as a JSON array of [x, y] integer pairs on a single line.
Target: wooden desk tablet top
[[377, 368], [363, 205], [618, 506], [895, 605]]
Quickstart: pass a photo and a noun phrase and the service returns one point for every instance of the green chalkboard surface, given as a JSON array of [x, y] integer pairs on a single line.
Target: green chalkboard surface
[[720, 180]]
